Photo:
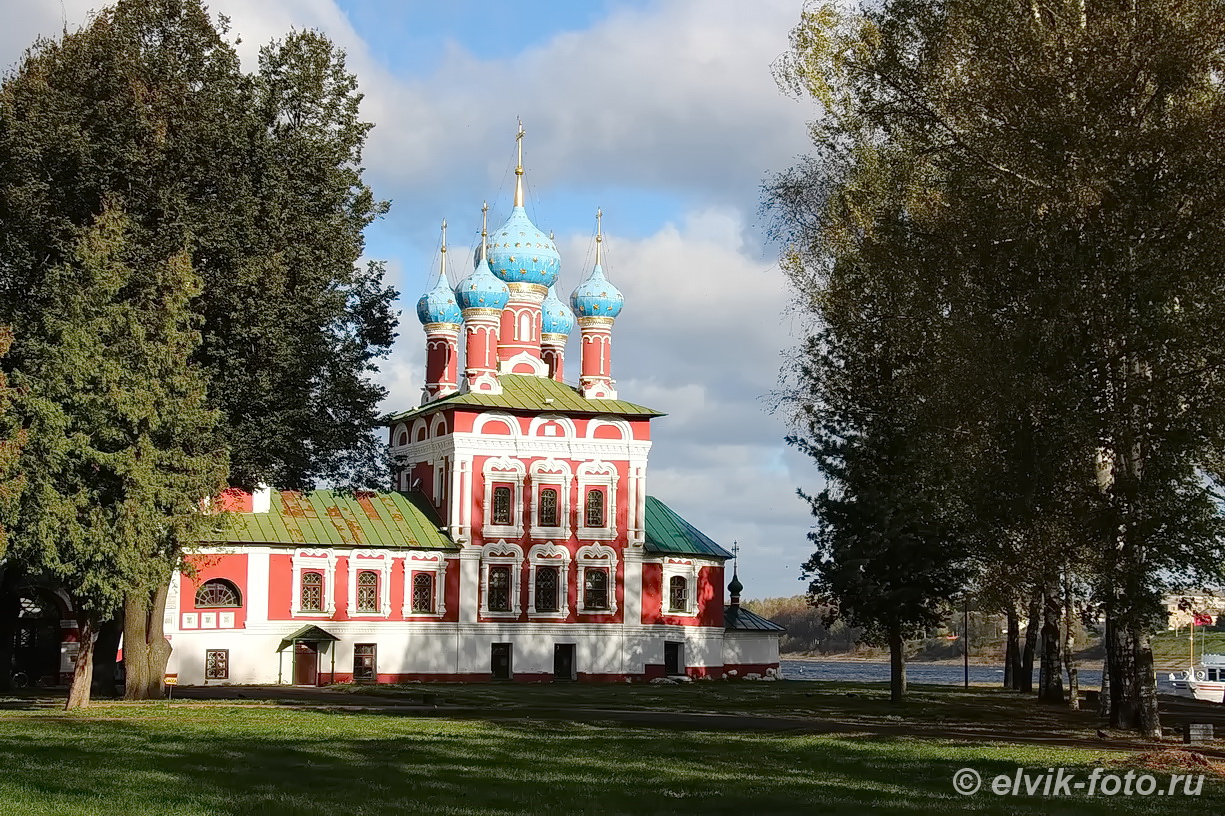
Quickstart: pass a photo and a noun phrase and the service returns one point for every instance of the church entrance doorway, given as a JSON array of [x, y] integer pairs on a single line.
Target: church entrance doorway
[[500, 661], [673, 658], [36, 641], [306, 664], [563, 661]]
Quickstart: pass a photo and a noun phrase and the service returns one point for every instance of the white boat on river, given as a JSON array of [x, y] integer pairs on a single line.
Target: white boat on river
[[1205, 681]]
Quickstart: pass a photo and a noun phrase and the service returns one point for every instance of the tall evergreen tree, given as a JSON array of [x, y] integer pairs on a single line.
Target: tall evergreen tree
[[122, 451], [258, 177]]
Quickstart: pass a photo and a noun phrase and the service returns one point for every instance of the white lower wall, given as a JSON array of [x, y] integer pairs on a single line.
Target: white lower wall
[[751, 648], [462, 649]]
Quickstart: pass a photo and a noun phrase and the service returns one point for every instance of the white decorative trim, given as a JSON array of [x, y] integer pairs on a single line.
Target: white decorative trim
[[512, 423], [534, 427], [598, 474], [597, 556], [382, 565], [539, 367], [551, 473], [311, 560], [502, 554], [683, 568], [425, 562], [621, 425], [482, 384], [503, 469], [549, 555]]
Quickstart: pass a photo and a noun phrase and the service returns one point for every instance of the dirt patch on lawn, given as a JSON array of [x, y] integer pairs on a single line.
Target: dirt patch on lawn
[[1174, 760]]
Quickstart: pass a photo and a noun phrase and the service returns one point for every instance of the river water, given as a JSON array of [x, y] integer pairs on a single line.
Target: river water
[[864, 671]]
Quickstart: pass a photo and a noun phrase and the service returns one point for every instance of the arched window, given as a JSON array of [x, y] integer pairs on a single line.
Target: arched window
[[367, 591], [595, 589], [312, 592], [595, 508], [217, 592], [548, 507], [423, 592], [547, 584], [403, 437], [501, 505], [499, 589], [678, 594]]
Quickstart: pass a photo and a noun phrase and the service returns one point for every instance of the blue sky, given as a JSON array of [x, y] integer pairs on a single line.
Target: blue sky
[[662, 112]]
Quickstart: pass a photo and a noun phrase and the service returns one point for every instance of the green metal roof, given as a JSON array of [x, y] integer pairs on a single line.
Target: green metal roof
[[309, 634], [522, 392], [670, 534], [739, 619], [330, 518]]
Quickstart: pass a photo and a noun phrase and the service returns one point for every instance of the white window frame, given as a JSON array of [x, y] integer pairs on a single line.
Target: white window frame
[[378, 561], [689, 571], [597, 556], [314, 561], [555, 474], [502, 554], [598, 474], [425, 562], [549, 555], [511, 471]]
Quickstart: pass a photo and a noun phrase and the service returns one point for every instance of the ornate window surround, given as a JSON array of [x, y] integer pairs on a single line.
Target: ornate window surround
[[228, 585], [370, 561], [504, 554], [512, 472], [598, 474], [313, 560], [597, 556], [688, 570], [549, 555], [415, 562], [556, 474]]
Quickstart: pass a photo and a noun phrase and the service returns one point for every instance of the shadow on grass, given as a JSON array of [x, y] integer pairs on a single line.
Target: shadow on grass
[[224, 760]]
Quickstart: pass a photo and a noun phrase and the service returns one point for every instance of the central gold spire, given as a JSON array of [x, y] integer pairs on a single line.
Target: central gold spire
[[599, 235], [442, 263], [484, 230], [519, 167]]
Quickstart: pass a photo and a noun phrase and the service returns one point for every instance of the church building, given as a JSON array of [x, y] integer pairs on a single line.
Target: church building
[[519, 541]]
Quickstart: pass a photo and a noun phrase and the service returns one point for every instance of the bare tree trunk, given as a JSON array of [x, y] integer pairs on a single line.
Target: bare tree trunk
[[1069, 645], [1050, 675], [145, 648], [1012, 648], [897, 665], [10, 607], [1103, 699], [1146, 679], [83, 672], [1124, 705], [1031, 644]]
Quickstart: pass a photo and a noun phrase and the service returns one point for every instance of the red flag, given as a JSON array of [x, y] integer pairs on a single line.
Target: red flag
[[1204, 619]]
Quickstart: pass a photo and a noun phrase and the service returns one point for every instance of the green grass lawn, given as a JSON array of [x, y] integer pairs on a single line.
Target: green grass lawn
[[215, 758]]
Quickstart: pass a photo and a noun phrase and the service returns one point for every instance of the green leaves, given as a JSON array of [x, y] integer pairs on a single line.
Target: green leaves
[[257, 177], [123, 450]]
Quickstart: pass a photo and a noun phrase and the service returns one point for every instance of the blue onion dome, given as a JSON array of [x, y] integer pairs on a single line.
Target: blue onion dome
[[556, 317], [481, 290], [520, 253], [438, 305], [596, 297]]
